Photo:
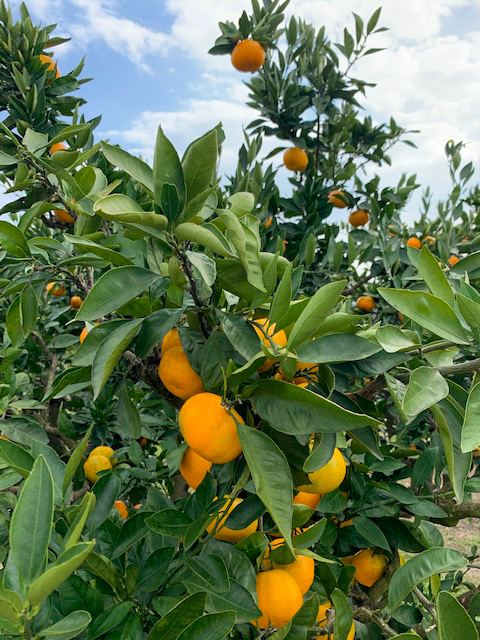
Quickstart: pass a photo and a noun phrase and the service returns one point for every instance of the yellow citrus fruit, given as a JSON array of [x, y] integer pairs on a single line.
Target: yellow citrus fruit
[[194, 468], [63, 216], [327, 478], [59, 146], [84, 333], [366, 303], [335, 200], [57, 289], [358, 218], [279, 598], [346, 523], [170, 340], [138, 506], [453, 260], [75, 302], [414, 242], [308, 499], [248, 56], [268, 222], [310, 368], [103, 450], [121, 507], [369, 567], [93, 465], [279, 338], [209, 429], [302, 570], [51, 64], [177, 374], [231, 535], [295, 159]]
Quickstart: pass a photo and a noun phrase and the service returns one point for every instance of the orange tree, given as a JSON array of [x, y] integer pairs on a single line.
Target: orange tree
[[201, 440]]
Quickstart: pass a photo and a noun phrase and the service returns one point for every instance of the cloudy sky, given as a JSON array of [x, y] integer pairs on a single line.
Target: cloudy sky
[[150, 65]]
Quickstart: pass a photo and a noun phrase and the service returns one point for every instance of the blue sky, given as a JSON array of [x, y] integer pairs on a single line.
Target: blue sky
[[150, 65]]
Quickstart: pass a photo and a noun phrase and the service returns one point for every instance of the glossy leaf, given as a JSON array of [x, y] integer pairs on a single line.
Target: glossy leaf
[[70, 627], [173, 623], [128, 416], [453, 621], [434, 276], [337, 348], [167, 169], [75, 459], [214, 626], [135, 167], [426, 387], [110, 256], [471, 424], [199, 164]]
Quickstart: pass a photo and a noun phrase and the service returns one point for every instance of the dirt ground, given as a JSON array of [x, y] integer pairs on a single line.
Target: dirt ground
[[462, 537]]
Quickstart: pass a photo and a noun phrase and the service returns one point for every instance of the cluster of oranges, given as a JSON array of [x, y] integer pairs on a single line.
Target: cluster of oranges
[[100, 458], [208, 427], [58, 290]]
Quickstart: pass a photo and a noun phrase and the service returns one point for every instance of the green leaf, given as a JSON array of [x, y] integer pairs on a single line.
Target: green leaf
[[16, 457], [74, 460], [109, 255], [434, 276], [74, 532], [68, 132], [110, 351], [470, 310], [318, 308], [154, 571], [343, 615], [114, 289], [419, 568], [246, 246], [240, 333], [170, 522], [393, 339], [12, 240], [241, 203], [199, 164], [205, 266], [212, 571], [200, 234], [14, 322], [469, 264], [173, 623], [430, 312], [296, 411], [106, 490], [214, 626], [371, 532], [109, 619], [154, 328], [31, 523], [135, 167], [271, 477], [374, 18], [57, 573], [471, 423], [282, 298], [128, 416], [120, 208], [70, 627], [337, 348], [167, 169], [131, 531], [453, 620], [426, 387]]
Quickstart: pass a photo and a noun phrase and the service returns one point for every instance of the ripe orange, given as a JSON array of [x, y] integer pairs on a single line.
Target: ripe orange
[[453, 260], [369, 567], [279, 598], [63, 216], [57, 289], [295, 159], [194, 468], [337, 202], [279, 338], [51, 64], [84, 333], [231, 535], [177, 374], [121, 507], [346, 523], [93, 465], [430, 239], [209, 429], [248, 56], [414, 242], [76, 302], [268, 222], [358, 218], [302, 570], [366, 303], [138, 506], [142, 442], [103, 450], [170, 340], [58, 146], [308, 499], [327, 478]]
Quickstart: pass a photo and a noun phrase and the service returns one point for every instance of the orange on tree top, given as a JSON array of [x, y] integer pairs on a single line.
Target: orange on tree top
[[248, 56]]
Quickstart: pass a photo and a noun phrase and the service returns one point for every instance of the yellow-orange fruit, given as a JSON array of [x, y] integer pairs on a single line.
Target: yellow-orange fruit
[[366, 303], [76, 302], [177, 374], [308, 499], [302, 571], [231, 535], [142, 442], [84, 333], [268, 222], [279, 598], [358, 218], [209, 429], [327, 478], [103, 450], [295, 159], [335, 200], [93, 465], [414, 242], [279, 338], [171, 339], [58, 146], [57, 289], [63, 216], [121, 507], [453, 260], [248, 56], [51, 64], [369, 567], [194, 468], [430, 240]]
